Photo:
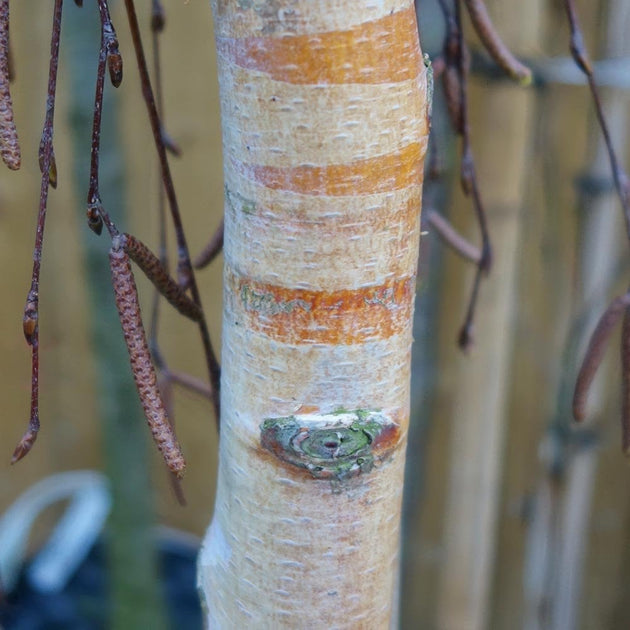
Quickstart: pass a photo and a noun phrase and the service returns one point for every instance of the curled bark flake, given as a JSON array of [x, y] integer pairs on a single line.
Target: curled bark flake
[[493, 43], [9, 145], [625, 382], [212, 249], [154, 270], [144, 375], [595, 353]]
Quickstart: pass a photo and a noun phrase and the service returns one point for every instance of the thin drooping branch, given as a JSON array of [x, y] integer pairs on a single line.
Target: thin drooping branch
[[191, 383], [597, 344], [158, 21], [9, 145], [108, 55], [580, 55], [455, 78], [31, 310], [493, 43], [451, 237], [212, 249], [185, 271]]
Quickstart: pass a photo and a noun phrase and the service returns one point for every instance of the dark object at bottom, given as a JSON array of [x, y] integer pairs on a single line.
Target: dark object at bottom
[[85, 605]]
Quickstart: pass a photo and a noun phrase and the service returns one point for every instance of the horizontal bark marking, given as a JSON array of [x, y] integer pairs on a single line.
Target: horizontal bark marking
[[239, 18], [384, 173], [311, 123], [301, 316], [380, 51], [362, 243]]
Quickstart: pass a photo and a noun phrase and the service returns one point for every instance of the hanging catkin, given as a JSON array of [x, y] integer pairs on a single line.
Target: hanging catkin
[[141, 365], [150, 264]]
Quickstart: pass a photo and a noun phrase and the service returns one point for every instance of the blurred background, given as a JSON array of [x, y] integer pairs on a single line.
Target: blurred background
[[513, 517]]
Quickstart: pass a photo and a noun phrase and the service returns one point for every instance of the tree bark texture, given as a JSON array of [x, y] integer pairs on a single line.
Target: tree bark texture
[[324, 134]]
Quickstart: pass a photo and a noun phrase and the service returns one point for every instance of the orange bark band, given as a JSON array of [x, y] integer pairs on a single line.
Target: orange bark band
[[383, 173], [307, 317], [381, 51]]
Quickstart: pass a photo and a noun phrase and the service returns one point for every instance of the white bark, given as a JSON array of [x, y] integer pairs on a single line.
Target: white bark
[[324, 126]]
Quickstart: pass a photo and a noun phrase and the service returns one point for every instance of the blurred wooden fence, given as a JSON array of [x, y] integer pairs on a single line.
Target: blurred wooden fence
[[485, 423]]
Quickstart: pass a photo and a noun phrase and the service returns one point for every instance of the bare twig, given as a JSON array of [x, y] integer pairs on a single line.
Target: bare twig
[[449, 235], [31, 310], [185, 271], [581, 58], [455, 78], [494, 44], [212, 249], [191, 383]]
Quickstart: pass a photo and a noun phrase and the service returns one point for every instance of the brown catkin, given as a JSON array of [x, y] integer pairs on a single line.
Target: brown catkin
[[625, 382], [595, 353], [494, 44], [144, 375], [9, 145], [154, 270]]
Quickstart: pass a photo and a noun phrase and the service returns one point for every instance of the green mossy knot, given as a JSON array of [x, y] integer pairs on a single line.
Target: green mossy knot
[[333, 446]]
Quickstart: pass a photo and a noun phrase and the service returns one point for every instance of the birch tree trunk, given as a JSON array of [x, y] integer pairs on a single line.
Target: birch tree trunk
[[324, 134]]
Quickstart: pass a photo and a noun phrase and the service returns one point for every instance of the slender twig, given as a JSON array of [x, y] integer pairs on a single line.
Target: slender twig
[[164, 383], [158, 22], [580, 55], [31, 310], [212, 249], [96, 213], [456, 58], [190, 382], [449, 235], [185, 271], [493, 43]]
